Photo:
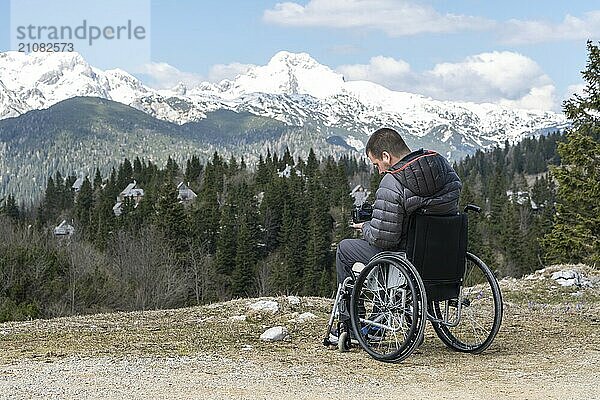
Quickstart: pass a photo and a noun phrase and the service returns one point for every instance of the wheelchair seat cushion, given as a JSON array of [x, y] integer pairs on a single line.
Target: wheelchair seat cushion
[[437, 246]]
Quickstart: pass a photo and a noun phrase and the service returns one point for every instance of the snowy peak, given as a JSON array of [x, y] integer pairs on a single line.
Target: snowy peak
[[41, 80], [42, 69], [124, 87], [10, 104], [292, 88], [289, 74]]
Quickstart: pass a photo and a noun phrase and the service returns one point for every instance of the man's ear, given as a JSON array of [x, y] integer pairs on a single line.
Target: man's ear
[[385, 156]]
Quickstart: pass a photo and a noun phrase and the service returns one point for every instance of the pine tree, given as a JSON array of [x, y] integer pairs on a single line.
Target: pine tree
[[84, 207], [312, 165], [48, 209], [287, 158], [97, 180], [575, 236], [102, 219], [8, 207], [271, 212], [171, 217], [138, 171], [172, 167], [242, 279], [318, 244], [511, 240], [125, 174], [193, 169], [206, 213], [226, 242], [341, 198]]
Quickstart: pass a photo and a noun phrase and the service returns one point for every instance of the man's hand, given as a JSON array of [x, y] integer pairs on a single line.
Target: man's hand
[[357, 226]]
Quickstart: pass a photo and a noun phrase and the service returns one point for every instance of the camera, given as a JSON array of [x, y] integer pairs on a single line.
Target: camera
[[362, 213]]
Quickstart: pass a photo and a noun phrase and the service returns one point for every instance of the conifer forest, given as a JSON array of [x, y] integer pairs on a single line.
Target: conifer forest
[[272, 228]]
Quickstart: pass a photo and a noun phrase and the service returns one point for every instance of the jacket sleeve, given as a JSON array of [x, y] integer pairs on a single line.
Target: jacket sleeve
[[385, 228]]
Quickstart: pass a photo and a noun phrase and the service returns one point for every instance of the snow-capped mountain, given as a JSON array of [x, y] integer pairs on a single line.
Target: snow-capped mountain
[[291, 88], [10, 104]]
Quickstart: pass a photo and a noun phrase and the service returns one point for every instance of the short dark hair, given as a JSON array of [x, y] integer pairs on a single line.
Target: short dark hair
[[386, 139]]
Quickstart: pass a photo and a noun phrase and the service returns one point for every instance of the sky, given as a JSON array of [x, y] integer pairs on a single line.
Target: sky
[[525, 54]]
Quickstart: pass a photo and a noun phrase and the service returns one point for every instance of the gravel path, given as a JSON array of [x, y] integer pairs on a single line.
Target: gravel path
[[433, 373], [547, 348]]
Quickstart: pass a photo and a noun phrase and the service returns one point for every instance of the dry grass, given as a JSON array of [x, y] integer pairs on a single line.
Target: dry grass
[[548, 335]]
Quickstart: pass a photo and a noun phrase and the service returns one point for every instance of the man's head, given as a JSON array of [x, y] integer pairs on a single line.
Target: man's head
[[385, 148]]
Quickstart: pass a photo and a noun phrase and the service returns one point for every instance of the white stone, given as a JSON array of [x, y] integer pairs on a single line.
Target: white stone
[[293, 300], [265, 306], [237, 318], [307, 316], [570, 277], [247, 347], [275, 334]]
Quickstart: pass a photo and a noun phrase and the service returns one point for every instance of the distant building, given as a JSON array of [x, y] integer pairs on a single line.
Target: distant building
[[521, 198], [132, 192], [77, 185], [359, 194], [185, 193], [64, 229]]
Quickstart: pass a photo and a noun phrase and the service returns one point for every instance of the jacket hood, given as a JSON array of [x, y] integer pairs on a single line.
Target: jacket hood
[[423, 172]]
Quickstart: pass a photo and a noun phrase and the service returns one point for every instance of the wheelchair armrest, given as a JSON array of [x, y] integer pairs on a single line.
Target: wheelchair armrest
[[472, 207]]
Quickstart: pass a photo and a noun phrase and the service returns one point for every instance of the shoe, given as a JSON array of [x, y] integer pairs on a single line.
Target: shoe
[[372, 333], [334, 337], [357, 268]]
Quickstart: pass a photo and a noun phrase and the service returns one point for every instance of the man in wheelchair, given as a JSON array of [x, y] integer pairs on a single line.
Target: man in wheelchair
[[419, 180]]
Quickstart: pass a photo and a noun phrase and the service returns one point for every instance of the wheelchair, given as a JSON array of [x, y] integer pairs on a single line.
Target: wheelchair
[[437, 280]]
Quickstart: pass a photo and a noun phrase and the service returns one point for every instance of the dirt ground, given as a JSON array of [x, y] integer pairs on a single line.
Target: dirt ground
[[548, 348]]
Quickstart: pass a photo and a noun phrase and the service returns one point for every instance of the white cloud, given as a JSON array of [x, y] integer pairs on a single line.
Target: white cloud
[[506, 78], [576, 88], [380, 69], [165, 76], [538, 98], [396, 18], [218, 72], [571, 28], [572, 90], [405, 17], [161, 75]]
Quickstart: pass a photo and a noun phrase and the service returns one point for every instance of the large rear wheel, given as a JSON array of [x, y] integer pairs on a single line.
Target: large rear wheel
[[480, 310]]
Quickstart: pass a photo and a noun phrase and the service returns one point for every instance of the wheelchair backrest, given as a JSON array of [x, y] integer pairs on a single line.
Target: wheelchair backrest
[[437, 247]]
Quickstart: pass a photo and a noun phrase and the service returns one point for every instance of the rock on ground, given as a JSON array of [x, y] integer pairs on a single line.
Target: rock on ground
[[265, 306], [275, 334]]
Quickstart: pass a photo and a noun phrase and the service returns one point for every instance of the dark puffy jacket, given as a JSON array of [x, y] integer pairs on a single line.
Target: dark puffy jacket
[[421, 180]]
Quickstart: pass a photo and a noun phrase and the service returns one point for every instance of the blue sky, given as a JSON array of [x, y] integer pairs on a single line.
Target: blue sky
[[522, 54]]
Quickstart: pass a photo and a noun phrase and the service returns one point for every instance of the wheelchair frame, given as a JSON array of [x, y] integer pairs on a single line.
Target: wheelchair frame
[[409, 313]]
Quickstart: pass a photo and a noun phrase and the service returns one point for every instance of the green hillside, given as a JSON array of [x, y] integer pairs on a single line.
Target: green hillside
[[77, 135]]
